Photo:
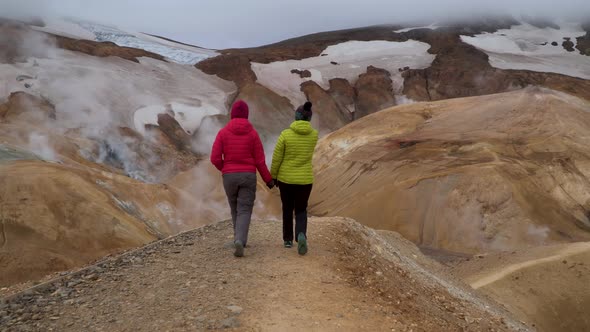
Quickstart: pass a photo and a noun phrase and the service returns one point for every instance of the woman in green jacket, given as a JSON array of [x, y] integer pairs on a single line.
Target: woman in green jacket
[[291, 167]]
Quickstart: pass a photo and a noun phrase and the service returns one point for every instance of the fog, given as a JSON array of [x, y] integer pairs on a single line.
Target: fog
[[94, 101], [237, 23]]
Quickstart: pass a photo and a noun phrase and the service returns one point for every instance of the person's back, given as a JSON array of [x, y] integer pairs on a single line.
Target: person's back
[[238, 139], [300, 140], [238, 152], [292, 167]]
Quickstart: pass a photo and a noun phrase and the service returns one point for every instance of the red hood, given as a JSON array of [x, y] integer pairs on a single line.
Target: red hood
[[240, 126]]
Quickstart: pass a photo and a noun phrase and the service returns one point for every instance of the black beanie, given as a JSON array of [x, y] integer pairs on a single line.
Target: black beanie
[[304, 112]]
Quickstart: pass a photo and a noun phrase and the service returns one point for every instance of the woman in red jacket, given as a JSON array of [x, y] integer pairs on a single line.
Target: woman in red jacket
[[238, 153]]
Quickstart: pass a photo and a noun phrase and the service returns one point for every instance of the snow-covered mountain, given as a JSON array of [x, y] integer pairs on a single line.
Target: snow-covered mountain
[[176, 52], [527, 47]]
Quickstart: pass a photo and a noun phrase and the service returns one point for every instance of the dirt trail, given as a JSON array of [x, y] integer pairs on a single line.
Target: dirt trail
[[352, 279], [546, 286], [495, 275]]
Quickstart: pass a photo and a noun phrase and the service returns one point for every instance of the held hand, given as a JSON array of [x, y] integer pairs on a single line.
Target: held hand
[[270, 184]]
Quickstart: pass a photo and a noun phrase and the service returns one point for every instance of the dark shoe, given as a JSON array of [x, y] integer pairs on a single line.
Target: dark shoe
[[301, 244], [288, 244], [239, 249]]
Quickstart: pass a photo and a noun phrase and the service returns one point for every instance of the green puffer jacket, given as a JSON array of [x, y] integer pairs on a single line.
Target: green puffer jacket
[[291, 160]]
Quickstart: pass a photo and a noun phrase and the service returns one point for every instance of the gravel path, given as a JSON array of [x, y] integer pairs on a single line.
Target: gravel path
[[192, 282]]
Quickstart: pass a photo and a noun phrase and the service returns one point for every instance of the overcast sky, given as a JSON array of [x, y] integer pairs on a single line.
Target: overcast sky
[[242, 23]]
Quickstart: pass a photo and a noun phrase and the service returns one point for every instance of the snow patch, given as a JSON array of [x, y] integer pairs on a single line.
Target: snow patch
[[433, 26], [189, 117], [175, 52], [95, 94], [126, 206], [353, 58], [121, 38], [525, 47], [194, 49], [103, 184], [147, 116]]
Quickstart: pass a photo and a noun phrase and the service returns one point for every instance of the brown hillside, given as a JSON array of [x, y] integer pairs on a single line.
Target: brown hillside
[[495, 172]]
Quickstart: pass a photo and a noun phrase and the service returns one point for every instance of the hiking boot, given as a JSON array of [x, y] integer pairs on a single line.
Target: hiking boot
[[239, 249], [288, 244], [301, 244]]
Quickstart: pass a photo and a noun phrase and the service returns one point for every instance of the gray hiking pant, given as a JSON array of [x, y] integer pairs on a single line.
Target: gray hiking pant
[[240, 189]]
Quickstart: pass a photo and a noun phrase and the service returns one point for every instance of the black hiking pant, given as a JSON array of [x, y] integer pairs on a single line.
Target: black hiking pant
[[294, 198]]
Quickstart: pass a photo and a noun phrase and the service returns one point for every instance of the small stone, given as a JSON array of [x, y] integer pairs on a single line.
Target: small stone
[[235, 309], [54, 318], [73, 283], [92, 277], [201, 319], [230, 323], [63, 292], [41, 302], [339, 316], [29, 292]]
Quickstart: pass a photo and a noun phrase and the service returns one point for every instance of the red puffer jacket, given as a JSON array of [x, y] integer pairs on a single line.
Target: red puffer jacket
[[238, 149]]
